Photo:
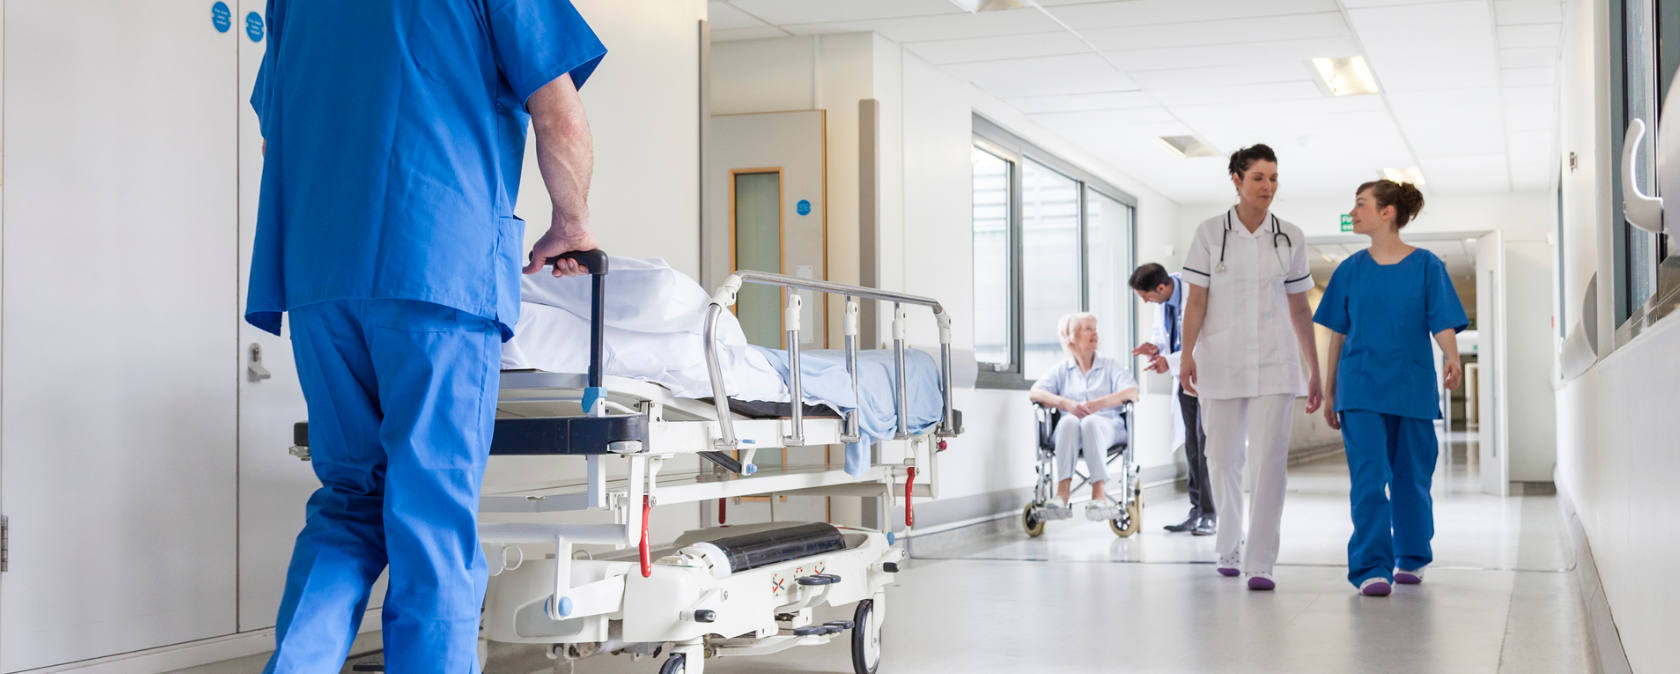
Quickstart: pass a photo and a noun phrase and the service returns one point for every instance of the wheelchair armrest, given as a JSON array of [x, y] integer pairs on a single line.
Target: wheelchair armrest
[[1046, 418]]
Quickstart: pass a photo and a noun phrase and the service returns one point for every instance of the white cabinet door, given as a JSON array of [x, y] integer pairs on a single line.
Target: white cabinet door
[[273, 485], [119, 334]]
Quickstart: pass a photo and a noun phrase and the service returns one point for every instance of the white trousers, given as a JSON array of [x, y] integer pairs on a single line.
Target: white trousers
[[1095, 434], [1238, 429]]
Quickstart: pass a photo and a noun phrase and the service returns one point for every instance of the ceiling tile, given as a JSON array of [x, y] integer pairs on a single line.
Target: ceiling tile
[[1534, 162], [1055, 43], [1544, 76], [1247, 94], [1516, 12], [1528, 57], [1107, 100], [1094, 15], [736, 34], [1104, 119], [785, 12], [1534, 35], [1223, 31], [1294, 54], [1451, 123], [724, 16], [943, 27], [1470, 174], [1429, 47], [1086, 73], [1527, 117]]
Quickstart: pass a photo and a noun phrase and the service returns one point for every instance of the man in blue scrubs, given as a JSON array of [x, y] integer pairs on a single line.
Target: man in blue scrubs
[[386, 229]]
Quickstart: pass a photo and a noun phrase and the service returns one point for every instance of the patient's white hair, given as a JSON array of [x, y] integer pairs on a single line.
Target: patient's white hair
[[1068, 323]]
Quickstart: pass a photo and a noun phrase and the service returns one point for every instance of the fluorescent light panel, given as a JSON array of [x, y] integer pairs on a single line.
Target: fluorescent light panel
[[1406, 175], [1189, 146], [1347, 76], [977, 6]]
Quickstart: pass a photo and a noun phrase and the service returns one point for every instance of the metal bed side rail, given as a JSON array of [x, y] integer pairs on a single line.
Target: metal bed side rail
[[725, 297]]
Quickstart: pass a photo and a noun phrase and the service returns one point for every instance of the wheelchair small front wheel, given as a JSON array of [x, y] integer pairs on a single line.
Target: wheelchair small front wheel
[[1130, 519], [1031, 522]]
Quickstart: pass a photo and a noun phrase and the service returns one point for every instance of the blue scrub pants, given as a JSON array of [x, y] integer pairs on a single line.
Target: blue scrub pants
[[1389, 456], [402, 401]]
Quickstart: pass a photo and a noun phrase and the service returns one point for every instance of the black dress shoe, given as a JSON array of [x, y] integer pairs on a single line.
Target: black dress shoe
[[1188, 524], [1206, 526]]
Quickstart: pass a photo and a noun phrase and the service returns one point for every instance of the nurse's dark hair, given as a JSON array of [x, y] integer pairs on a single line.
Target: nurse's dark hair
[[1404, 197], [1244, 158], [1150, 276]]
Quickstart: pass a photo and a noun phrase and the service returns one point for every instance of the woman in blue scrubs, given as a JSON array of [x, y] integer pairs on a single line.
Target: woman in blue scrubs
[[1383, 304]]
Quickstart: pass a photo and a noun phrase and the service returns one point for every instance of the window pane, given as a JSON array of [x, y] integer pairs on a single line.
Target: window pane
[[1050, 262], [1108, 252], [992, 334], [758, 247], [1641, 97]]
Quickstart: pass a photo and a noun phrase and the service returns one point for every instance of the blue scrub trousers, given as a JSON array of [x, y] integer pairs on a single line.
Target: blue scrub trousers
[[1389, 456], [402, 401]]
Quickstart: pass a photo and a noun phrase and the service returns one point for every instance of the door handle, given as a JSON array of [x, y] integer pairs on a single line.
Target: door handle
[[254, 369]]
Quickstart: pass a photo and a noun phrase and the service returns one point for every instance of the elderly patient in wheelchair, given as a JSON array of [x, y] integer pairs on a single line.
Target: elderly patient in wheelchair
[[1092, 392]]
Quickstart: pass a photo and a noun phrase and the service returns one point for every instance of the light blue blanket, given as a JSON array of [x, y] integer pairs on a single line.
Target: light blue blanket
[[824, 378]]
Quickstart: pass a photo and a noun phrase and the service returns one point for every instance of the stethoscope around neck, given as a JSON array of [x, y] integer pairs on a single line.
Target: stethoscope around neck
[[1277, 231]]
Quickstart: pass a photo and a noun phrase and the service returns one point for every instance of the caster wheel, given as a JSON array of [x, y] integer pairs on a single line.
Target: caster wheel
[[1033, 525], [866, 637], [1130, 520], [676, 664]]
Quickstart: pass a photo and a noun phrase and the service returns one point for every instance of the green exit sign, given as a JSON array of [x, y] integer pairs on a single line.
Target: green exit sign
[[1347, 222]]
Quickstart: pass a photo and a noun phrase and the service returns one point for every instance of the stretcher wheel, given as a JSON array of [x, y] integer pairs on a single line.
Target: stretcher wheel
[[866, 639], [1031, 523], [1130, 521], [676, 664]]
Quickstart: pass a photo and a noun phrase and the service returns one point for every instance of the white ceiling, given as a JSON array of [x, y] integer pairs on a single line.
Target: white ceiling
[[1469, 88]]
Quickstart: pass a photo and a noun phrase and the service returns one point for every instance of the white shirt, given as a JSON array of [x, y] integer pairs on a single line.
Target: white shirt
[[1247, 346], [1107, 377]]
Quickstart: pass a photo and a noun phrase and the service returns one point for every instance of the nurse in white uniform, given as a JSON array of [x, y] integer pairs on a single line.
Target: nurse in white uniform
[[1247, 329]]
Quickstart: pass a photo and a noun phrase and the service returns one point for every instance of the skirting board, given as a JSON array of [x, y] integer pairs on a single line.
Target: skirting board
[[204, 652], [1605, 641]]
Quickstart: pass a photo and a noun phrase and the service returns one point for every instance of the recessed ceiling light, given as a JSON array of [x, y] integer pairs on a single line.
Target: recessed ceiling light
[[1347, 76], [977, 6], [1189, 146], [1406, 175]]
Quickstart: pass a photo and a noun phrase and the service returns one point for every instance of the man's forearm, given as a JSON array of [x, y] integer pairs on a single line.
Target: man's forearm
[[565, 150]]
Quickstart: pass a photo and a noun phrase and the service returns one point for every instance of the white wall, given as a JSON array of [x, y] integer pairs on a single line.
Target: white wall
[[1618, 449], [643, 105]]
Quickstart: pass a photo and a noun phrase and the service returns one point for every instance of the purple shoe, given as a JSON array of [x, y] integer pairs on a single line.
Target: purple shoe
[[1261, 582], [1405, 577], [1375, 587], [1229, 572]]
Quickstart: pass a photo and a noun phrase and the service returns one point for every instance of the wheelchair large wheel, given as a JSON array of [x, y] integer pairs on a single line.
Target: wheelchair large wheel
[[1033, 525], [1130, 519]]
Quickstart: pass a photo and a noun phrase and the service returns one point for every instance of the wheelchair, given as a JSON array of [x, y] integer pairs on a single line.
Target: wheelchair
[[1123, 471]]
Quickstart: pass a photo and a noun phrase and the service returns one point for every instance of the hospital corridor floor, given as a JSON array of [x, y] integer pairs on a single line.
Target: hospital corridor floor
[[1500, 598]]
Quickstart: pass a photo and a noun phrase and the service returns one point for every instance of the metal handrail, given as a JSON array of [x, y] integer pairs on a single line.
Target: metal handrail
[[725, 297]]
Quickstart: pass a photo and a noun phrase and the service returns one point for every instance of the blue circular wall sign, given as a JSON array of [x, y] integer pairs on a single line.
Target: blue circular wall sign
[[221, 17], [804, 207], [254, 26]]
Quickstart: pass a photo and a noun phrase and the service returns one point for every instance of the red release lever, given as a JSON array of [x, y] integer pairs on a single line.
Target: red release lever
[[723, 505], [909, 510], [647, 512]]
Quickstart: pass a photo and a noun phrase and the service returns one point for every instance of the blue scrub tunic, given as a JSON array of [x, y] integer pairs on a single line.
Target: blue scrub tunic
[[396, 134], [1389, 313]]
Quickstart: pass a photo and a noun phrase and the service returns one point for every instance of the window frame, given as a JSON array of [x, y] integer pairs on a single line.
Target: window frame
[[990, 137], [1631, 317]]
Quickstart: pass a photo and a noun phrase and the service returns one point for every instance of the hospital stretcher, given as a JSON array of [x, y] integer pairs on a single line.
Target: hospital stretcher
[[720, 591]]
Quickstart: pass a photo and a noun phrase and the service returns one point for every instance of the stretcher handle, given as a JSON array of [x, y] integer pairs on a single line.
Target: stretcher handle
[[595, 261], [647, 512]]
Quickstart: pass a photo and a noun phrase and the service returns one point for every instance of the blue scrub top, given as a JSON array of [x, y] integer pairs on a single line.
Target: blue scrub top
[[1389, 314], [396, 135]]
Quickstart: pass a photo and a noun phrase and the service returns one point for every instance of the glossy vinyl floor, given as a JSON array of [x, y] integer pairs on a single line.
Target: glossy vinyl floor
[[1078, 599]]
